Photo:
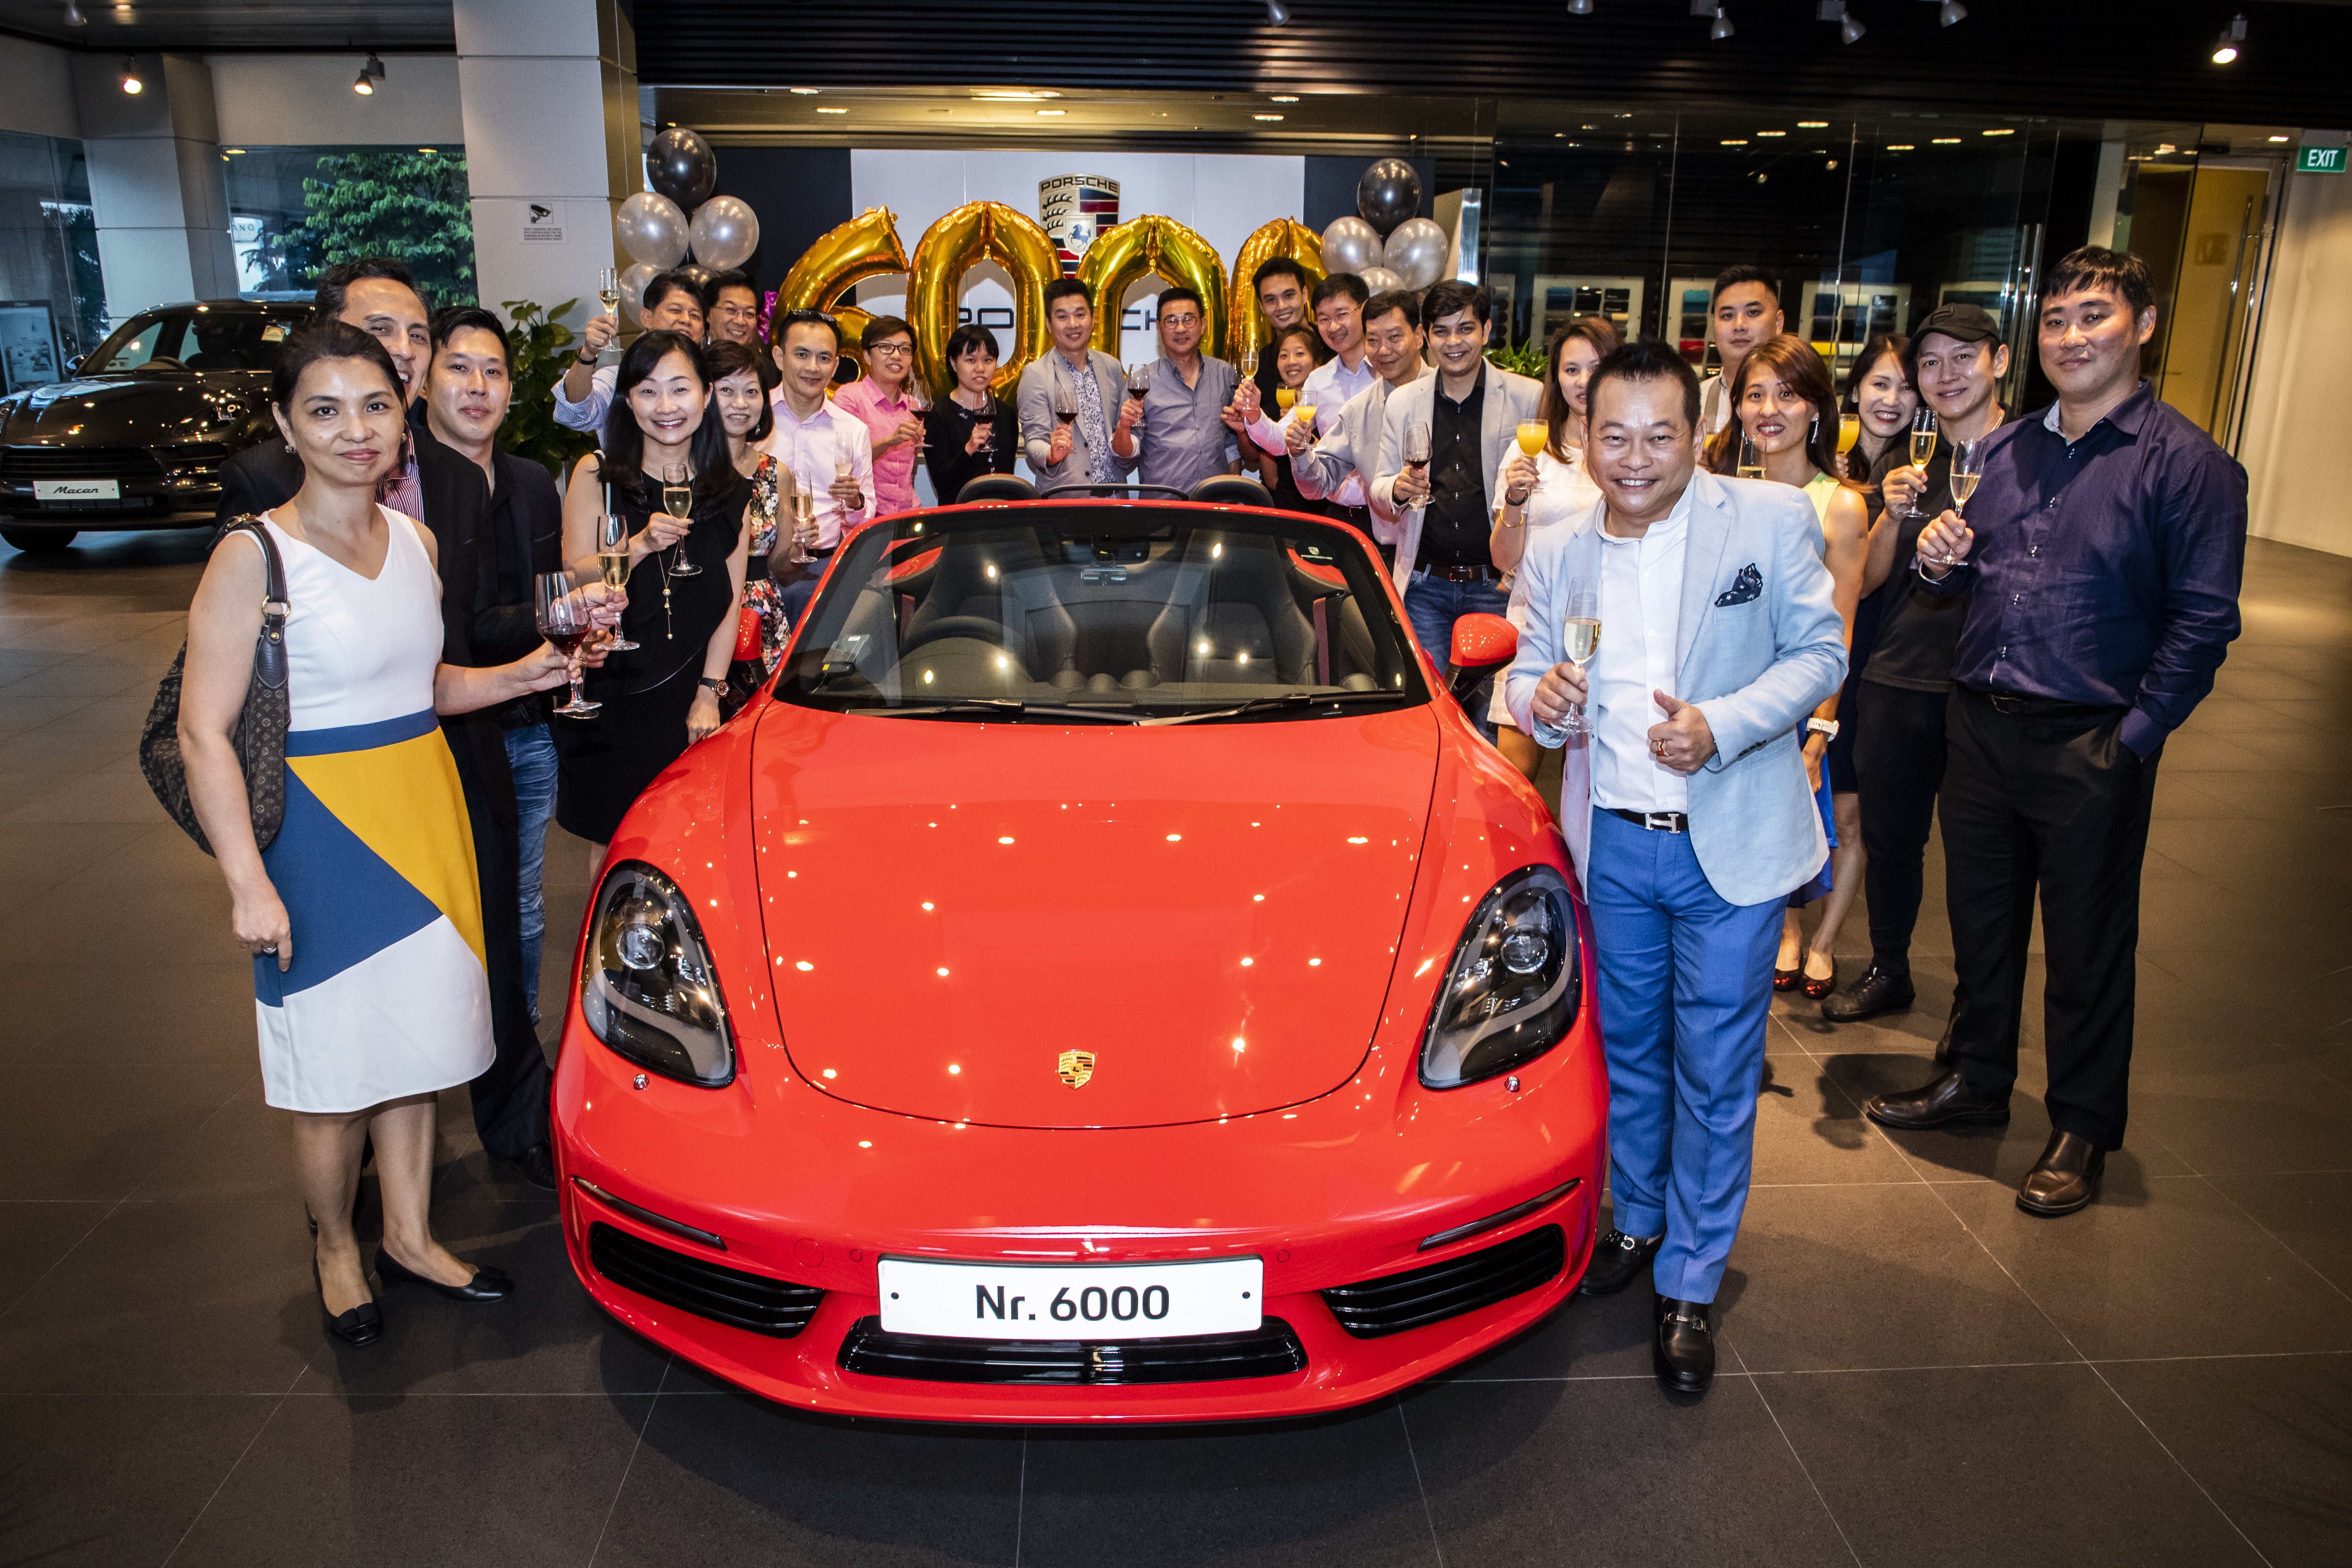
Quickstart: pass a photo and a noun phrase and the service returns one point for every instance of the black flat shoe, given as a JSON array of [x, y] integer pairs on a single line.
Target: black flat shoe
[[487, 1285], [1616, 1259], [1878, 991], [1787, 979], [1947, 1102], [1817, 989], [1682, 1353], [2065, 1179], [362, 1325]]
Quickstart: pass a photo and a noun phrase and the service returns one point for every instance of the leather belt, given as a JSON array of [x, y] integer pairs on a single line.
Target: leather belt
[[1360, 516], [1459, 574], [2017, 706], [1655, 821], [817, 554]]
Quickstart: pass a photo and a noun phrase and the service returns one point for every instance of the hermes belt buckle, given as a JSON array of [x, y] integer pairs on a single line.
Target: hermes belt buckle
[[1661, 822]]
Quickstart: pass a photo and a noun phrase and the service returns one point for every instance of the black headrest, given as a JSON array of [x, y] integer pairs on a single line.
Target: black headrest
[[1231, 489], [996, 486]]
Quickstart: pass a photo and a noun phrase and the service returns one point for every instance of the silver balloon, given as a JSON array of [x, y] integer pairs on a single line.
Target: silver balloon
[[1350, 244], [1380, 280], [632, 288], [1416, 251], [724, 232], [1389, 194], [651, 229]]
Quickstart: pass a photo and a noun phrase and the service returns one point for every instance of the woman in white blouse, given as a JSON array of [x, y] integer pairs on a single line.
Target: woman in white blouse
[[1549, 488]]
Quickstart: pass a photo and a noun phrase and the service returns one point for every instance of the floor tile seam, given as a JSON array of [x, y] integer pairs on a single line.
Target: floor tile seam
[[622, 1485], [1420, 1486], [1802, 1468], [2278, 1240], [234, 1464], [2166, 1450], [1021, 1498], [156, 1164], [59, 1261]]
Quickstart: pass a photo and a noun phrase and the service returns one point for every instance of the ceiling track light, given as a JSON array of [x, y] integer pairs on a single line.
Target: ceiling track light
[[1580, 7], [1276, 13], [131, 82], [72, 17], [1850, 29], [370, 74], [2225, 48], [1950, 12], [1722, 28]]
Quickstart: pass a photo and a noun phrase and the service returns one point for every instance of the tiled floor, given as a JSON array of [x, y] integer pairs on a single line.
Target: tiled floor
[[1914, 1371]]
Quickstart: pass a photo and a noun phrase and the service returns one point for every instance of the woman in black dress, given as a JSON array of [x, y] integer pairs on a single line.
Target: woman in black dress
[[664, 696], [971, 431]]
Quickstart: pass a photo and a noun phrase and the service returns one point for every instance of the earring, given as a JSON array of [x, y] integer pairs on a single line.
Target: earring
[[1815, 434], [289, 445]]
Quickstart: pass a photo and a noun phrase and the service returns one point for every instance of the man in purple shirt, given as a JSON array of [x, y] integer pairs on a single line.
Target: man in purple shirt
[[2103, 567]]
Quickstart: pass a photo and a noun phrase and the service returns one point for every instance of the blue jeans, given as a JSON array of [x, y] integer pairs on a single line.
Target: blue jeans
[[530, 757], [1432, 605], [1685, 986]]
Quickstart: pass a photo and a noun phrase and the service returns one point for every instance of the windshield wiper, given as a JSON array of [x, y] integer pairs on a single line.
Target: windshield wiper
[[996, 708], [1289, 702]]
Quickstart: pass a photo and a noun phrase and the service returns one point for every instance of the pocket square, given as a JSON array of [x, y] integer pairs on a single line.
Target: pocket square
[[1749, 585]]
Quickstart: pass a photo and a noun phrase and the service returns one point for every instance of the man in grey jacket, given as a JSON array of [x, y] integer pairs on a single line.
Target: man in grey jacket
[[1349, 439], [1069, 399], [1685, 806]]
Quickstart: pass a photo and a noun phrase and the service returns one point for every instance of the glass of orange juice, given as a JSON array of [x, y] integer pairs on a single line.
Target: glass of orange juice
[[1533, 434]]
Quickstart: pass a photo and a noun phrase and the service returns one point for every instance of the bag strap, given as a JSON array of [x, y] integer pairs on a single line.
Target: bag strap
[[269, 655]]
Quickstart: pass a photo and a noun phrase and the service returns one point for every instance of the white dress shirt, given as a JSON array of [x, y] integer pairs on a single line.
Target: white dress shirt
[[1714, 406], [588, 414], [1641, 617], [1328, 387], [1564, 493], [811, 448]]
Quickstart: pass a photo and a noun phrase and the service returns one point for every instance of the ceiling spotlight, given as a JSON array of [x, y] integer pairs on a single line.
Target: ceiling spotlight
[[1277, 12], [1580, 7], [801, 91], [131, 82], [2225, 48], [1722, 28], [73, 16], [363, 85], [1951, 11], [1850, 31]]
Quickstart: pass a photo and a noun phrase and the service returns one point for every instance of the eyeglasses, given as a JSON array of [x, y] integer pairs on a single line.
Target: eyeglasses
[[1184, 321], [894, 349]]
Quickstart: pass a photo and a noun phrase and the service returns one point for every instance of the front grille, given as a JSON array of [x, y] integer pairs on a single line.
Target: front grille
[[1396, 1302], [26, 463], [196, 455], [1270, 1351], [777, 1308]]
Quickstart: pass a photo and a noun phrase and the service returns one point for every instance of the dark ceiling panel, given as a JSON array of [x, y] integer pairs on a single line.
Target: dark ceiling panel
[[2096, 58], [238, 26]]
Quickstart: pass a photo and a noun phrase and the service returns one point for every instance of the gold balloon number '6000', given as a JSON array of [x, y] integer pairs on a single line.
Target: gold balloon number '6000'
[[868, 245]]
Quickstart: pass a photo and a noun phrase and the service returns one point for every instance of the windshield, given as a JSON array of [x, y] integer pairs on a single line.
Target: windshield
[[1121, 613], [194, 339]]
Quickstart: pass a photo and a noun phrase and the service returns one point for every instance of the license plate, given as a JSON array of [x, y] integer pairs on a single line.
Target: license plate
[[1074, 1301], [77, 489]]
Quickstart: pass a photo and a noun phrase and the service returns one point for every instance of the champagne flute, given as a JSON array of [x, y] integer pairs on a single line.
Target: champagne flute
[[613, 561], [1533, 434], [678, 499], [1580, 640], [803, 526], [562, 620], [1416, 452], [1923, 446], [608, 292], [1968, 468], [1751, 466]]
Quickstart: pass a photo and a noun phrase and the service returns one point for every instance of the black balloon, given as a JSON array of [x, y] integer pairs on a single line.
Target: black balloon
[[1389, 194], [682, 167], [701, 274]]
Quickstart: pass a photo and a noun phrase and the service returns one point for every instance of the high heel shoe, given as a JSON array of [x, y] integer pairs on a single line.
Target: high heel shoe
[[487, 1285], [362, 1325], [1817, 989]]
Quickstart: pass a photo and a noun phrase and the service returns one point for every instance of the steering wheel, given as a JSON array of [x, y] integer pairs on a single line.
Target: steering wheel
[[979, 627], [165, 360]]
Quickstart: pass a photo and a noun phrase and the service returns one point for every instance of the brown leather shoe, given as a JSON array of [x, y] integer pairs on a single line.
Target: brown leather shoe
[[1943, 1103], [2065, 1179]]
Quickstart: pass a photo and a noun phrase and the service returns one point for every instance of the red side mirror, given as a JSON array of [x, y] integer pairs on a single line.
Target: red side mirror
[[1481, 642]]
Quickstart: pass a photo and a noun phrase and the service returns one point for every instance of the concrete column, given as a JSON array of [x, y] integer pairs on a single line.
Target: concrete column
[[156, 185], [549, 89]]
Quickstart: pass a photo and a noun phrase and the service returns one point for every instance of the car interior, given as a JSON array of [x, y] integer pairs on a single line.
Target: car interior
[[193, 341], [1153, 606]]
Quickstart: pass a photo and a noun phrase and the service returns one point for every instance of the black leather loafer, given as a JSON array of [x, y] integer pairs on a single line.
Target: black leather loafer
[[1947, 1102], [1878, 991], [1616, 1259], [362, 1325], [537, 1164], [1684, 1351], [487, 1285], [2065, 1179]]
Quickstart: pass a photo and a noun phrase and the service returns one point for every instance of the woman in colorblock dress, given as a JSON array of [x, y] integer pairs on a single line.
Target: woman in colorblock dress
[[364, 915]]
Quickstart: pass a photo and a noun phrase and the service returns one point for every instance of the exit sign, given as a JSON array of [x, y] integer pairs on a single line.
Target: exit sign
[[2320, 161]]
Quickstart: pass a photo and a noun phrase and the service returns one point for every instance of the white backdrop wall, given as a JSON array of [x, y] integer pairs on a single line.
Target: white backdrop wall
[[1223, 197]]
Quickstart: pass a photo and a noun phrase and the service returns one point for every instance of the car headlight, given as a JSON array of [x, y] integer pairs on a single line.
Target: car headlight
[[1512, 991], [646, 985]]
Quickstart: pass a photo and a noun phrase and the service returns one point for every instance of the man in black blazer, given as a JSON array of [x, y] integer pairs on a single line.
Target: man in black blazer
[[450, 495]]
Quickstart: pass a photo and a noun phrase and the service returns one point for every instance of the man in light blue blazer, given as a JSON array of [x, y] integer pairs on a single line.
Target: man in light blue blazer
[[1685, 806]]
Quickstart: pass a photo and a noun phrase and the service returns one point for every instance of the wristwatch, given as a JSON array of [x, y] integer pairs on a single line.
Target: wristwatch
[[1822, 726], [716, 688]]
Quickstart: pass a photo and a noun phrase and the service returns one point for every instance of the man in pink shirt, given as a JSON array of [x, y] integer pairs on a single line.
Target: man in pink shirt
[[887, 402]]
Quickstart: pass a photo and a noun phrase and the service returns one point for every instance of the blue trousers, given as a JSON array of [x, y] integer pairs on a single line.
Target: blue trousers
[[530, 757], [1432, 605], [1685, 989]]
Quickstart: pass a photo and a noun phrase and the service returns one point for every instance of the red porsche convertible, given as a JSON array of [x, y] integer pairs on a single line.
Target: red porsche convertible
[[1105, 977]]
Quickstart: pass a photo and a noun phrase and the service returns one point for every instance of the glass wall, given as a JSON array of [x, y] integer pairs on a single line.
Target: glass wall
[[52, 300], [294, 210]]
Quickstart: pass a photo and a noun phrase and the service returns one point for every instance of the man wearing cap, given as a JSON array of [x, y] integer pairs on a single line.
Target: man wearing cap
[[1955, 360]]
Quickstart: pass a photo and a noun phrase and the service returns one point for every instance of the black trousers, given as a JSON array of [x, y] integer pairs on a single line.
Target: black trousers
[[1898, 759], [511, 1096], [2046, 800]]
